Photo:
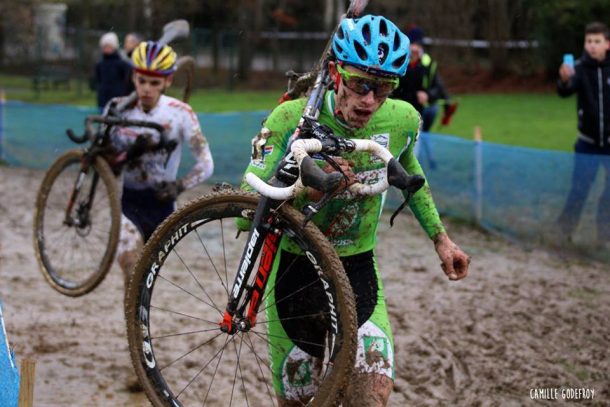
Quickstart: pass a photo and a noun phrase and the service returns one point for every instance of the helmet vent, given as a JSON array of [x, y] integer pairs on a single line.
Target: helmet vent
[[340, 33], [361, 51], [399, 62], [396, 43], [383, 28], [382, 53], [366, 33], [166, 57]]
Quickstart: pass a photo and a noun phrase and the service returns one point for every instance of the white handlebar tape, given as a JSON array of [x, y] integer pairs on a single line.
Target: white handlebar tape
[[303, 147]]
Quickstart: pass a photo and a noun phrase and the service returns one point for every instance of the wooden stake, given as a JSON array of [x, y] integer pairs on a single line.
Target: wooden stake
[[26, 383], [478, 136], [478, 175]]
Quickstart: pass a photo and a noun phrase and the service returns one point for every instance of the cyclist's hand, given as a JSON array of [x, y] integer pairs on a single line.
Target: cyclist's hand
[[168, 191], [422, 97], [455, 262], [138, 147], [346, 168]]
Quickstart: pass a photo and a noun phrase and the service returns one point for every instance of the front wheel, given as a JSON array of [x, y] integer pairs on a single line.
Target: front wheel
[[75, 250], [178, 294]]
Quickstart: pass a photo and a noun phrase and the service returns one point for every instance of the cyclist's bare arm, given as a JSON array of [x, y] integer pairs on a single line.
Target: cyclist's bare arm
[[204, 164], [454, 261]]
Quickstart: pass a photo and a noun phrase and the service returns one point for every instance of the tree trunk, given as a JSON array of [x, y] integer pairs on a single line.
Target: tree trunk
[[501, 16], [245, 20]]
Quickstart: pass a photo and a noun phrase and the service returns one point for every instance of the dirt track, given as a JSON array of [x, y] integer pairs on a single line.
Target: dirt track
[[522, 320]]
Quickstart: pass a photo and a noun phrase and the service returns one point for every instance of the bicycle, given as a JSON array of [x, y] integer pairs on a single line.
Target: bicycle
[[91, 203], [78, 209], [198, 303], [172, 341]]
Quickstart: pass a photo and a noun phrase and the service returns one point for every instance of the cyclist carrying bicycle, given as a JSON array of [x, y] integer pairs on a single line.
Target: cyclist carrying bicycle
[[150, 186], [370, 55]]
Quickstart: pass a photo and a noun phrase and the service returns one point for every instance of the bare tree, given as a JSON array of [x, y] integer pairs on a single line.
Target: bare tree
[[499, 29], [249, 30]]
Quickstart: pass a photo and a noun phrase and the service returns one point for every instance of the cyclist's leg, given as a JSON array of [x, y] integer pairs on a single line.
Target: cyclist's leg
[[376, 389], [603, 207], [130, 244], [294, 368], [294, 364], [142, 213], [373, 380]]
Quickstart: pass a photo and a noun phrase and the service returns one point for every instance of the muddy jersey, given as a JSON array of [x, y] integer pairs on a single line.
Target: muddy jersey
[[349, 221], [152, 168]]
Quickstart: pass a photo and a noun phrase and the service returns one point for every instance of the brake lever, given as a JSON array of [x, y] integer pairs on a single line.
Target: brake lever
[[413, 184]]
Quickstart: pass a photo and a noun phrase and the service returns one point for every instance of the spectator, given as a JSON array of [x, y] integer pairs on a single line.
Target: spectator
[[422, 85], [589, 79], [130, 42], [112, 73]]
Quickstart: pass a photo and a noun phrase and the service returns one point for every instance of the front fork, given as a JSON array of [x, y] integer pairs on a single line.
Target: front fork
[[261, 237]]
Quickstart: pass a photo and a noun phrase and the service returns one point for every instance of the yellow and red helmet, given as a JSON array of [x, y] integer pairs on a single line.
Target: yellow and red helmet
[[152, 58]]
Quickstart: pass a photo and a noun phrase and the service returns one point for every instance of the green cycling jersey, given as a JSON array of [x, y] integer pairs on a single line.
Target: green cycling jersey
[[350, 221]]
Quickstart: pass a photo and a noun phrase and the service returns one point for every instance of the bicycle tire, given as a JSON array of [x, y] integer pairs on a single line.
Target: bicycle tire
[[83, 270], [162, 272]]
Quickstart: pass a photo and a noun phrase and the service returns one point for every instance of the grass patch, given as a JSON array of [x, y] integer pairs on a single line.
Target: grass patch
[[202, 100], [220, 100], [536, 120], [21, 88]]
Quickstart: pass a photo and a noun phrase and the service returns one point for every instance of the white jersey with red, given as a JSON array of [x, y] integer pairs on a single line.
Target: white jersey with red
[[152, 168]]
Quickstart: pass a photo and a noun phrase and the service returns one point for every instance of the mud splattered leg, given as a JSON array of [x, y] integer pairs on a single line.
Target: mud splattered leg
[[368, 390], [130, 244]]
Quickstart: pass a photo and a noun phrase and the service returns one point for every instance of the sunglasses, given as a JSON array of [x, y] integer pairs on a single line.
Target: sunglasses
[[362, 85]]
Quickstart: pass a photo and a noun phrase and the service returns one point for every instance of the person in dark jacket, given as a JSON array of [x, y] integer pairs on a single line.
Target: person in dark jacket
[[589, 78], [422, 85], [112, 73]]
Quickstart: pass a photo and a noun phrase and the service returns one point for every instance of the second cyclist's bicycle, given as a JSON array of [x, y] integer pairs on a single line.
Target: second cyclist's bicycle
[[78, 211]]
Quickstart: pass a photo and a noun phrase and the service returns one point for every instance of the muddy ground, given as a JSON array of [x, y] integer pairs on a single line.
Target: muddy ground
[[522, 320]]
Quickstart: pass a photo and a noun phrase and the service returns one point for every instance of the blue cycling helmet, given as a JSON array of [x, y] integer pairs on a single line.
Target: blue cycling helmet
[[372, 43]]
